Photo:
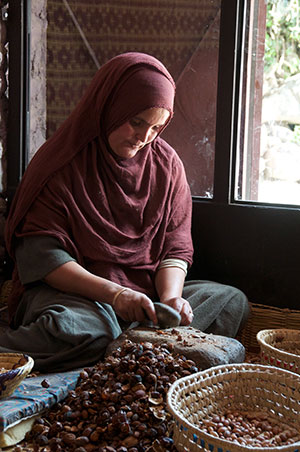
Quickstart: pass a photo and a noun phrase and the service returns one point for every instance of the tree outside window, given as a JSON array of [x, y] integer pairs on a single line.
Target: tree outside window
[[269, 149]]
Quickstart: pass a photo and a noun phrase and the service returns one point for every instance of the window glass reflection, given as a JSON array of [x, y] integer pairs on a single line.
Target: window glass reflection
[[74, 37], [269, 147]]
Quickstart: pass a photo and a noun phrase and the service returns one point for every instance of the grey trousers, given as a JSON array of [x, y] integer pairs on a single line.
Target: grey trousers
[[64, 331]]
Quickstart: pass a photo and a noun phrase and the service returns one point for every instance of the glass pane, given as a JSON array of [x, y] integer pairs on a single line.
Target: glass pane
[[268, 166], [74, 38]]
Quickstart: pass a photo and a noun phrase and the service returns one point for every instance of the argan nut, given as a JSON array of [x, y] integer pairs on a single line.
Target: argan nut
[[45, 383]]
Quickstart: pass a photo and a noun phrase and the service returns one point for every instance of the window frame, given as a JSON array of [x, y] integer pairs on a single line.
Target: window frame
[[241, 243], [18, 122], [233, 40], [250, 245]]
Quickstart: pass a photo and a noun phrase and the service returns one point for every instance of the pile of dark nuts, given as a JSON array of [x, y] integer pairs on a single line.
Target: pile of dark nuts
[[251, 429], [118, 405]]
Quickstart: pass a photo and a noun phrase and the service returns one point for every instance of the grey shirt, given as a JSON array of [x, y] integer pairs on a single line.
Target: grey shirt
[[37, 256]]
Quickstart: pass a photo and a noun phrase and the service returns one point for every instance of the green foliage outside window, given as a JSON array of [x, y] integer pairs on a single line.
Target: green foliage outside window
[[282, 46], [296, 136]]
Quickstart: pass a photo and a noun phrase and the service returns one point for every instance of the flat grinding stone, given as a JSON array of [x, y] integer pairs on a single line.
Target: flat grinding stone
[[206, 350]]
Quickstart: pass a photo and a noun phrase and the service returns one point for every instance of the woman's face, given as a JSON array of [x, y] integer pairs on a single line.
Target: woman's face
[[138, 131]]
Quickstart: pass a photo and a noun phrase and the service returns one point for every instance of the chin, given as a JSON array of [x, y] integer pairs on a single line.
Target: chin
[[133, 154], [128, 154]]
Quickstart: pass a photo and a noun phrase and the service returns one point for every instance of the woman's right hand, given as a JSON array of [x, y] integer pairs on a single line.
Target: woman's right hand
[[134, 306]]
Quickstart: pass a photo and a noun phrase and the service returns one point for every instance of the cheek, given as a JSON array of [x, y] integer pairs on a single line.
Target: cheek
[[124, 132], [119, 135], [111, 140], [127, 130]]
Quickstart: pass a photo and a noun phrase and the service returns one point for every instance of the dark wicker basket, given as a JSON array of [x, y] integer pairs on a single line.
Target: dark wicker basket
[[17, 366]]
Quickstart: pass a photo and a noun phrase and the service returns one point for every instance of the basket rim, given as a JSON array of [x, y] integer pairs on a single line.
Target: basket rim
[[24, 367], [12, 378], [231, 367], [13, 354], [227, 445], [260, 336], [219, 442]]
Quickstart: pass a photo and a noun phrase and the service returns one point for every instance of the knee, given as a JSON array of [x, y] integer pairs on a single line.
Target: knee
[[240, 304]]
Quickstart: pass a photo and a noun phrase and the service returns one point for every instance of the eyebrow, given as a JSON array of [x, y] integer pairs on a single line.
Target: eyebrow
[[151, 125]]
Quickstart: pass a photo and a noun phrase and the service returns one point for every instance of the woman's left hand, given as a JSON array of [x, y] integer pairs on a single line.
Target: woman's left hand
[[183, 307]]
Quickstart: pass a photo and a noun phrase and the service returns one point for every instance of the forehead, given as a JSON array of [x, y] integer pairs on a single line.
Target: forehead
[[154, 115]]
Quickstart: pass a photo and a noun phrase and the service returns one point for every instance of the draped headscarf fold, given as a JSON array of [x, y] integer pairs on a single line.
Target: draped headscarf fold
[[117, 217]]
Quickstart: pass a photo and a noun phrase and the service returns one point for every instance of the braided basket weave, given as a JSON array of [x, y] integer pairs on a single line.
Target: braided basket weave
[[240, 387], [264, 317], [18, 367], [280, 348]]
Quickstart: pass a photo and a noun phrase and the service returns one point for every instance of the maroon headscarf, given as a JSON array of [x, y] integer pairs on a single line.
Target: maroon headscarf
[[117, 217]]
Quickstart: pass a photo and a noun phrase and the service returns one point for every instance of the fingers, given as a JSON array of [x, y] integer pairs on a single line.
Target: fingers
[[184, 308], [149, 310], [134, 306], [186, 314]]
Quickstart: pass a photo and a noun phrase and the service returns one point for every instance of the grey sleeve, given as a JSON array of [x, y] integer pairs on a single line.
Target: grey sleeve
[[36, 256]]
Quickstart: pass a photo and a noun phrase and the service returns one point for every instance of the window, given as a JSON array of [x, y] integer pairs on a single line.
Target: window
[[268, 150], [57, 46], [238, 238], [80, 37]]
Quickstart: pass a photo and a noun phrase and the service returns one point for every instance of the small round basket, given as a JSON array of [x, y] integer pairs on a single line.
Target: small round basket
[[251, 388], [14, 367], [280, 348]]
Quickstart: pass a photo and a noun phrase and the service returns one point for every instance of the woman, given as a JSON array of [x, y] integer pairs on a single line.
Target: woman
[[100, 225]]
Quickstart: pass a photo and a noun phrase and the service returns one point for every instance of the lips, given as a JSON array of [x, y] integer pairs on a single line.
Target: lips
[[134, 145]]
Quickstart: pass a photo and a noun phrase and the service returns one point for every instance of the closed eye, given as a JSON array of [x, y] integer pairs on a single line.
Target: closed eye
[[135, 122]]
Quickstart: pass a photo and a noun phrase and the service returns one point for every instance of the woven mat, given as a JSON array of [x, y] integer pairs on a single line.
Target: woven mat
[[112, 28], [4, 294]]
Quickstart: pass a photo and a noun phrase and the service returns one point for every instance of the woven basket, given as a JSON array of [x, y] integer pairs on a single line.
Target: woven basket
[[241, 387], [17, 370], [280, 348], [5, 291], [266, 317]]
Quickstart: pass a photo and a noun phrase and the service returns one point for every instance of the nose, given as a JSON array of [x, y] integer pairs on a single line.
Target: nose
[[144, 134]]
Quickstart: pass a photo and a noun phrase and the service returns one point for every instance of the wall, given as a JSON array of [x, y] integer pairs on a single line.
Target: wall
[[3, 129], [38, 74]]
